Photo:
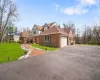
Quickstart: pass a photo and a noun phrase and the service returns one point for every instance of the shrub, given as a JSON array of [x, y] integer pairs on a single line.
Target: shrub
[[46, 49], [20, 42], [25, 52], [14, 41], [93, 43]]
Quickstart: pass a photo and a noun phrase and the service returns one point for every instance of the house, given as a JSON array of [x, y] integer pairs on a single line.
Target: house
[[16, 37], [71, 40], [13, 37], [56, 37], [49, 34], [37, 30], [24, 37]]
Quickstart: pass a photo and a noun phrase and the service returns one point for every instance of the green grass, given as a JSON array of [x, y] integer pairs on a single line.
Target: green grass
[[44, 47], [11, 50]]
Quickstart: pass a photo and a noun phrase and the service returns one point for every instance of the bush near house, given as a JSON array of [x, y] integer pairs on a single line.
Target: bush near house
[[46, 48], [10, 52], [93, 43]]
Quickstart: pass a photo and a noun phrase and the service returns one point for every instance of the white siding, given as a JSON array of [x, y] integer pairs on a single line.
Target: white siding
[[16, 38], [35, 30]]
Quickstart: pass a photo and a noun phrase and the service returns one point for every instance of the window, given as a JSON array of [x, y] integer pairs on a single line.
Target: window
[[34, 32], [46, 28], [47, 38]]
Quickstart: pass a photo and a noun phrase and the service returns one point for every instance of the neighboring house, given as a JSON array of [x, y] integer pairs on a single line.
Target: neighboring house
[[13, 37], [37, 30], [16, 37], [56, 37], [24, 37]]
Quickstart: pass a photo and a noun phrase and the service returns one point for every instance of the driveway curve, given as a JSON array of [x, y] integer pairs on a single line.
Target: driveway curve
[[68, 63]]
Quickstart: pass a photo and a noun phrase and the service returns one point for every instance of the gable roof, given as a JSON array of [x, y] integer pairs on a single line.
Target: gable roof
[[53, 30], [38, 27], [25, 34], [49, 24], [41, 27], [67, 30]]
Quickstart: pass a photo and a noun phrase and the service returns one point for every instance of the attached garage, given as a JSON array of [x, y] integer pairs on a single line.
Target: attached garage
[[63, 41], [57, 37]]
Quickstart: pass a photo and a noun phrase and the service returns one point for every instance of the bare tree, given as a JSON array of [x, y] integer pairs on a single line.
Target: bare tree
[[91, 34], [8, 15], [96, 33], [77, 36], [70, 25]]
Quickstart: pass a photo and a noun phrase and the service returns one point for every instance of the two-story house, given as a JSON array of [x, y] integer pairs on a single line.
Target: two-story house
[[50, 34], [56, 37], [37, 30]]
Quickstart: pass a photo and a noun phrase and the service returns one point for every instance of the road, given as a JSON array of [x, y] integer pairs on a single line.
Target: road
[[68, 63]]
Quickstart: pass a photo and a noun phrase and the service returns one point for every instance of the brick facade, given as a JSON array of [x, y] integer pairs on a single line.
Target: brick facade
[[41, 39], [36, 39], [55, 40], [23, 40]]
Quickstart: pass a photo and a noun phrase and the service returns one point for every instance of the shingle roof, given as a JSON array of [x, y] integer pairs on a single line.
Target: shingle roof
[[41, 27], [67, 30], [25, 34], [38, 27], [53, 30], [50, 24]]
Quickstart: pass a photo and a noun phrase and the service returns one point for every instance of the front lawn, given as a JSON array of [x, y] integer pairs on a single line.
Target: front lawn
[[10, 52], [44, 47]]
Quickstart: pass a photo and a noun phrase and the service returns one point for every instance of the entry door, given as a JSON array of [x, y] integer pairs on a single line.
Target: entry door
[[63, 41]]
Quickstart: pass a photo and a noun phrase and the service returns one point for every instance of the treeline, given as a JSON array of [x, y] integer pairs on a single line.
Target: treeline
[[88, 34]]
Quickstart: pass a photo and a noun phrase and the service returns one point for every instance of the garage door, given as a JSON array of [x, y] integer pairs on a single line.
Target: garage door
[[63, 41]]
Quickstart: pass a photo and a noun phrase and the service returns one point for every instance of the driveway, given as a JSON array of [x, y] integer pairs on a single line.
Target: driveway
[[68, 63]]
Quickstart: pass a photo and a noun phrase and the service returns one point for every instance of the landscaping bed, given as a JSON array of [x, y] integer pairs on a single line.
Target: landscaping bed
[[48, 48], [10, 52]]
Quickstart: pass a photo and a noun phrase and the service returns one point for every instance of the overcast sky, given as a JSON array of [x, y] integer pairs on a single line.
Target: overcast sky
[[80, 12]]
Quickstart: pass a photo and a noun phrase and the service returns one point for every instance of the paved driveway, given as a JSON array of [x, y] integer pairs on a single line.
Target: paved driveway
[[69, 63]]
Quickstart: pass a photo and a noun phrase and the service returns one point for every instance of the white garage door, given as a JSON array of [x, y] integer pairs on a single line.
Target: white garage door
[[63, 41]]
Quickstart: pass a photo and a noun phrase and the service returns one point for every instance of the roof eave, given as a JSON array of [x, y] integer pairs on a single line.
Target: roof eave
[[54, 33]]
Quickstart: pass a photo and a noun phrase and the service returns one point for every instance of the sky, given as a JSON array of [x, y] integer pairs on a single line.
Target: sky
[[80, 12]]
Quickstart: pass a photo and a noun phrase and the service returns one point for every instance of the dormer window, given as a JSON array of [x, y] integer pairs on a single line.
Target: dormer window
[[46, 28]]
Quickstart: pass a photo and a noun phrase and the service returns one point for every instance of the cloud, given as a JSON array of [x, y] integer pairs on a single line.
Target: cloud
[[69, 11], [88, 2], [79, 9], [75, 10]]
